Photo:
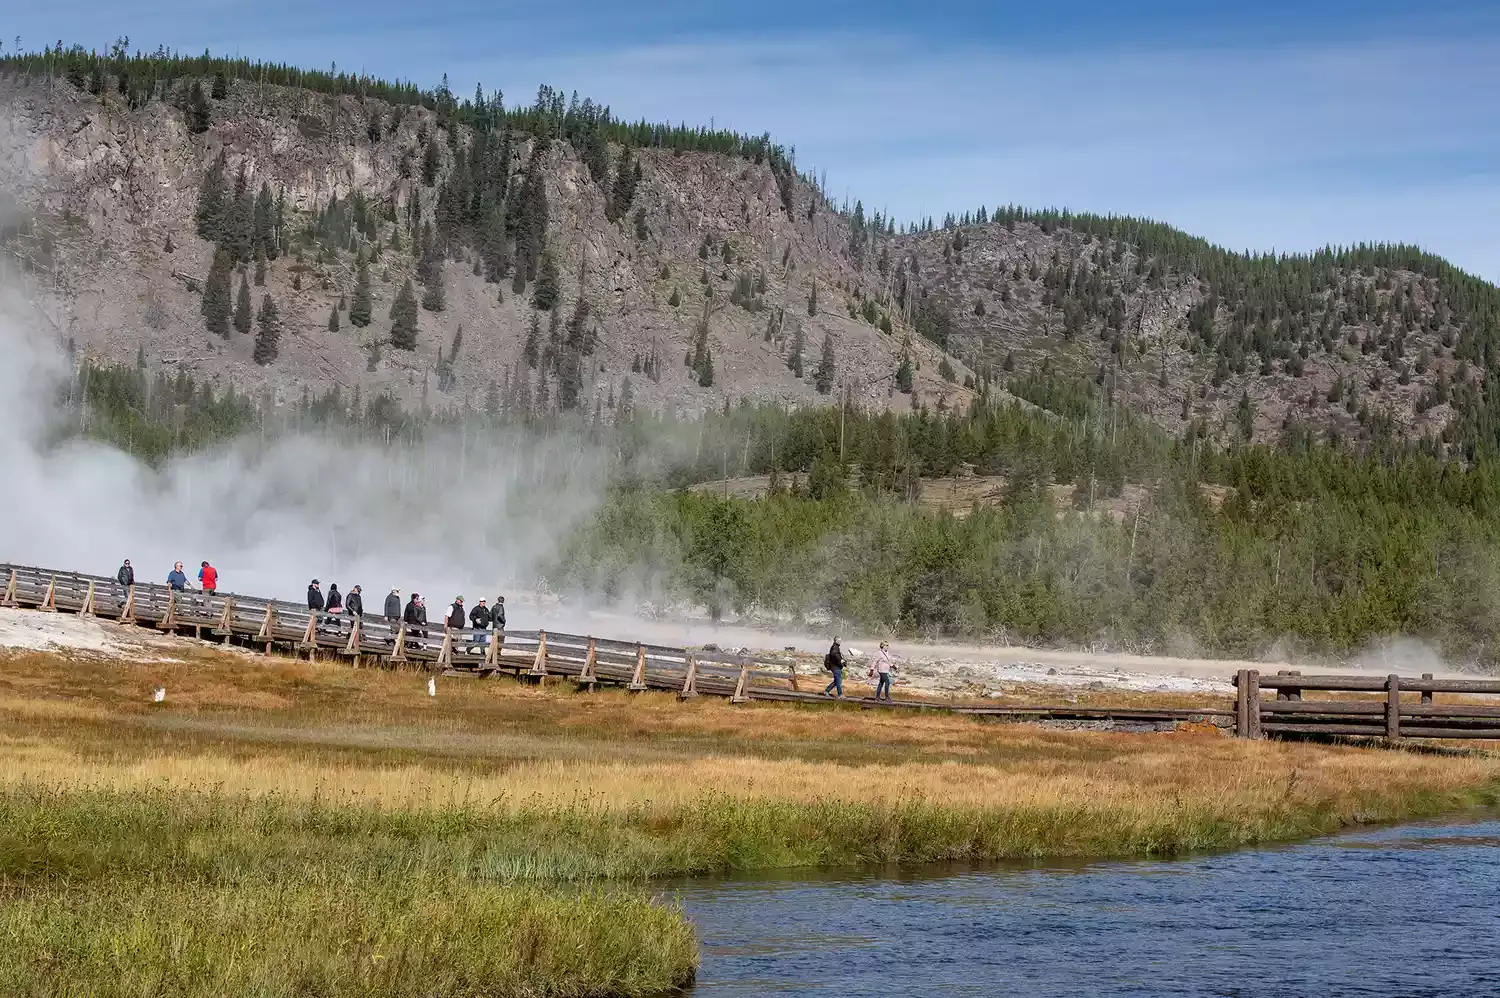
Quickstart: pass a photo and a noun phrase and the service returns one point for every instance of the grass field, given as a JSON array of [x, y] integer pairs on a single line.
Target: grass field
[[496, 838]]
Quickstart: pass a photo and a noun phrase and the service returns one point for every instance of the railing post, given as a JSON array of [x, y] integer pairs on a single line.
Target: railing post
[[690, 681], [742, 688], [588, 675], [1427, 694], [10, 591], [445, 653], [1241, 704], [1252, 703], [87, 609], [638, 677], [1393, 707], [49, 602], [127, 615], [398, 650], [539, 665]]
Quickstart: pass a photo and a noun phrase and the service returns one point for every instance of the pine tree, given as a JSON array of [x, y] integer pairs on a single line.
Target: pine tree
[[812, 300], [532, 349], [705, 367], [435, 298], [627, 175], [431, 160], [267, 340], [404, 318], [238, 218], [216, 294], [244, 312], [676, 298], [569, 381], [260, 269], [824, 372], [264, 225], [333, 319], [169, 247], [904, 376], [221, 86], [197, 109], [359, 310], [545, 294], [794, 362], [211, 196]]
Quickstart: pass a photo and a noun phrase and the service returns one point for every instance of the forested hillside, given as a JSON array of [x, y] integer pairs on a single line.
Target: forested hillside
[[274, 229]]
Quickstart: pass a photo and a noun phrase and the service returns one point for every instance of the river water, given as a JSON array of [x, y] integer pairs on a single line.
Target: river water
[[1409, 911]]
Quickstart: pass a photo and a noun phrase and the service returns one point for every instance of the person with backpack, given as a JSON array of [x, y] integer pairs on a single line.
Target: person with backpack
[[834, 663]]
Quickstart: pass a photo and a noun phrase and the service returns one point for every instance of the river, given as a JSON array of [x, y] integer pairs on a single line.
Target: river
[[1412, 910]]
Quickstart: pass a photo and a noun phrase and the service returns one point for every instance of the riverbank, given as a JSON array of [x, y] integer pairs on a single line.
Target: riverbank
[[542, 807]]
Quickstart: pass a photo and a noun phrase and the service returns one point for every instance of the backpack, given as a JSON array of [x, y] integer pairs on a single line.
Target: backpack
[[828, 662]]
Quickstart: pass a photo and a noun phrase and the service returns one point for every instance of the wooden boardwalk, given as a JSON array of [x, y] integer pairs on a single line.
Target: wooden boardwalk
[[279, 627], [1408, 707]]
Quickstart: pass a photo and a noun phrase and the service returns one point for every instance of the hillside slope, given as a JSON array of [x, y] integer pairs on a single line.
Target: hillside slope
[[695, 274]]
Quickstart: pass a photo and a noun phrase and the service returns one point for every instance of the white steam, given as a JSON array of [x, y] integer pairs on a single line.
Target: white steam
[[454, 516]]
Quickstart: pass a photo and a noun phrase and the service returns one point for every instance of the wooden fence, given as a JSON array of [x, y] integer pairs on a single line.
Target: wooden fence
[[1408, 707], [270, 625]]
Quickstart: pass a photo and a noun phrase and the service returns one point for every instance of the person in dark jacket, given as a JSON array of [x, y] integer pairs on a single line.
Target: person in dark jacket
[[126, 578], [314, 596], [416, 615], [834, 663], [497, 615], [479, 619], [456, 616], [177, 578], [393, 606], [354, 603], [335, 601]]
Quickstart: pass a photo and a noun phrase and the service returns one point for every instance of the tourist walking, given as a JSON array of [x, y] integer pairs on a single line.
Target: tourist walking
[[881, 670], [393, 607], [314, 596], [479, 619], [497, 615], [456, 617], [354, 603], [834, 663], [208, 579], [177, 578], [335, 601], [126, 578]]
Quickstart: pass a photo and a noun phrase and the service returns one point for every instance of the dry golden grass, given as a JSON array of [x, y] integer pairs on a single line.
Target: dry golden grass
[[245, 724]]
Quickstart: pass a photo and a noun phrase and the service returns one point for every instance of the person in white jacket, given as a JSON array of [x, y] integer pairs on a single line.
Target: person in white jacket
[[881, 669]]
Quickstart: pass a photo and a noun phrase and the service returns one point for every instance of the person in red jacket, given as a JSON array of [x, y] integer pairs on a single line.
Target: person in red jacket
[[208, 579]]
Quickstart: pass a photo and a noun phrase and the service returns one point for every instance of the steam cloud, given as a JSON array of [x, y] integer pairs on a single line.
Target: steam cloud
[[449, 517]]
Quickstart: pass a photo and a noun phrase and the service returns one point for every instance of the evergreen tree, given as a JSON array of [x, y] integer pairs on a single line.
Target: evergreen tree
[[676, 298], [221, 86], [238, 219], [627, 175], [264, 224], [545, 294], [569, 381], [794, 362], [905, 375], [333, 319], [532, 349], [404, 318], [435, 298], [260, 269], [431, 160], [244, 312], [267, 340], [211, 196], [704, 367], [812, 300], [198, 115], [823, 374], [216, 294], [360, 308]]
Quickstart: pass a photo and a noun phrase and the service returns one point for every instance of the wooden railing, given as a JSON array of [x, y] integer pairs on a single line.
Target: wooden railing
[[271, 625], [1408, 707], [277, 624]]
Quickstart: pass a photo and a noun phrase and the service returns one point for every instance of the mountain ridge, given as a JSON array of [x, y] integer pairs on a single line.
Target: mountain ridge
[[1362, 343]]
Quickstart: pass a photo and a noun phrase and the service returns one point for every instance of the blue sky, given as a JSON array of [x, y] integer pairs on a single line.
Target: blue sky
[[1273, 125]]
